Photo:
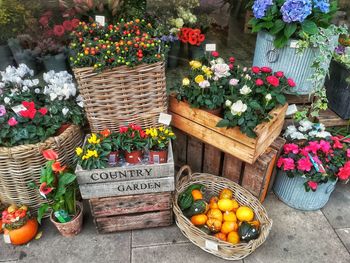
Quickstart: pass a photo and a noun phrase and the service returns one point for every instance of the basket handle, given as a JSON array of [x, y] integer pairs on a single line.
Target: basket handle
[[179, 174]]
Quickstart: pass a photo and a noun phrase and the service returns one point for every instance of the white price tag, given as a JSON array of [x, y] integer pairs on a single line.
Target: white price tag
[[101, 20], [210, 47], [294, 44], [7, 239], [211, 245], [18, 108], [164, 118], [291, 109]]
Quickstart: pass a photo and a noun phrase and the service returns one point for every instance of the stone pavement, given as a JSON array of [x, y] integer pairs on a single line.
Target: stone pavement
[[321, 236]]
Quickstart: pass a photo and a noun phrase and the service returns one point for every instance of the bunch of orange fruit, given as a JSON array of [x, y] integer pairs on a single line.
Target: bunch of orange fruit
[[223, 216]]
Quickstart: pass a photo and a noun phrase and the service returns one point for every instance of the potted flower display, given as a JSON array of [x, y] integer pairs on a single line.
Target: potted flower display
[[58, 187], [158, 143], [305, 130], [309, 171], [18, 225], [133, 140]]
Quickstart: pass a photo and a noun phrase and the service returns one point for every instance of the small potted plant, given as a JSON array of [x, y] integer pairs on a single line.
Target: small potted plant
[[18, 224], [58, 186], [158, 143], [113, 142], [133, 140]]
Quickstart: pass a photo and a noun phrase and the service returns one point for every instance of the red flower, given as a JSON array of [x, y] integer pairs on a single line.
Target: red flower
[[279, 74], [291, 148], [50, 155], [105, 133], [75, 22], [123, 129], [314, 147], [273, 81], [266, 69], [143, 134], [67, 25], [230, 66], [58, 30], [44, 21], [29, 105], [215, 54], [305, 151], [43, 111], [232, 59], [304, 164], [348, 153], [56, 167], [337, 144], [259, 82], [256, 70], [135, 127], [28, 113], [291, 83], [313, 185], [325, 146], [12, 122], [44, 190], [344, 172]]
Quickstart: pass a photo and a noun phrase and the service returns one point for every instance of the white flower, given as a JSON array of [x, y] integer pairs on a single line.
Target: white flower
[[179, 22], [238, 108], [216, 78], [245, 69], [297, 136], [268, 97], [79, 101], [65, 110], [37, 91], [234, 82], [228, 103], [247, 77], [25, 88], [305, 125], [7, 100], [245, 90], [53, 96], [204, 84], [323, 134], [221, 70]]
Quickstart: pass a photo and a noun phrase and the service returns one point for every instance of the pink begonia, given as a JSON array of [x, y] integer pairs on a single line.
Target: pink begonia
[[325, 146], [288, 164], [344, 172], [291, 147], [304, 164], [305, 151], [313, 185], [314, 147], [337, 144], [348, 153]]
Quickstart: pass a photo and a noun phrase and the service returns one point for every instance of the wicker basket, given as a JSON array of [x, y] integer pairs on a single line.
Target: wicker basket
[[21, 165], [209, 243], [123, 95]]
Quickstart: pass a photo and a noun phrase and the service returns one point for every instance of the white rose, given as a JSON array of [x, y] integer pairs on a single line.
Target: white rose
[[221, 70], [245, 69], [204, 84], [65, 111], [247, 77], [7, 100], [268, 97], [234, 82], [228, 103], [245, 90], [179, 22], [238, 108]]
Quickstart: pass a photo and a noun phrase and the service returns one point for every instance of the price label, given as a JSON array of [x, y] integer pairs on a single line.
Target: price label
[[7, 239], [210, 47], [101, 20], [291, 109], [164, 118], [18, 108], [211, 245]]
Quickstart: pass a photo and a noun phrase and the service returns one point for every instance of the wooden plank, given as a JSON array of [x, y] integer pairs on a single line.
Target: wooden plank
[[232, 168], [266, 183], [212, 160], [134, 221], [278, 146], [142, 186], [180, 148], [299, 99], [329, 118], [112, 206], [195, 154]]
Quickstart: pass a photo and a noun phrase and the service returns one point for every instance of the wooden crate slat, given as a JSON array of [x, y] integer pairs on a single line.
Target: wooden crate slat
[[112, 206], [180, 148], [212, 160], [278, 146], [194, 154], [232, 168], [329, 118]]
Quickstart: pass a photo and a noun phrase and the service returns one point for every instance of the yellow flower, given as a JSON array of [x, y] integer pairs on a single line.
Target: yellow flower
[[207, 71], [166, 131], [195, 64], [85, 157], [93, 139], [171, 134], [79, 151], [199, 79], [185, 82], [161, 129], [148, 131]]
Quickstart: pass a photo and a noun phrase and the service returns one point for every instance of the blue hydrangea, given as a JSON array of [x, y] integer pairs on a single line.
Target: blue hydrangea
[[260, 7], [322, 5], [296, 10]]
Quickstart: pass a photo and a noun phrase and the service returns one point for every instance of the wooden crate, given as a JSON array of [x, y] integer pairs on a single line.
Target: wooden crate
[[300, 101], [330, 119], [127, 180], [202, 125], [113, 214]]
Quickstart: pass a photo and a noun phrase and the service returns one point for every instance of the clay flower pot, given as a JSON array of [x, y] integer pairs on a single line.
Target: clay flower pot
[[23, 234], [73, 227], [158, 156], [113, 158], [133, 157]]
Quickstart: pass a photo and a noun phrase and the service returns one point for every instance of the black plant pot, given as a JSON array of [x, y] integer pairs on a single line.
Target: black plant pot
[[173, 55], [338, 89], [195, 52], [27, 58], [56, 63], [6, 58]]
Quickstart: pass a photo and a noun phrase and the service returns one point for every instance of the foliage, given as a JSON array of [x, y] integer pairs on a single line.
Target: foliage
[[159, 138], [14, 217], [132, 138]]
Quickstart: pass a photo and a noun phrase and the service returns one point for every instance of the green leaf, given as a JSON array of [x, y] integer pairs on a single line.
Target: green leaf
[[277, 27], [289, 30], [41, 211], [309, 27], [241, 121], [280, 41], [254, 105], [281, 99], [223, 123]]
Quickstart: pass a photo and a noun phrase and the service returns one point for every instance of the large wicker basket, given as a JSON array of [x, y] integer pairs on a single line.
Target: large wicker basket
[[123, 95], [209, 243], [21, 165]]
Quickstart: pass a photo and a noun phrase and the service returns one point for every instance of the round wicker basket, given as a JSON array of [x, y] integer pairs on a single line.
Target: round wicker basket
[[123, 95], [209, 243], [21, 165]]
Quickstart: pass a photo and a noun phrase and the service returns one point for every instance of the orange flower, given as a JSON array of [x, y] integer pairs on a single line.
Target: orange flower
[[105, 133], [56, 167], [50, 155]]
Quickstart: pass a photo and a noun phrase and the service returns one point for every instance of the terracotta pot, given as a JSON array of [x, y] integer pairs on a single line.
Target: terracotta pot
[[113, 158], [63, 128], [24, 234], [133, 157], [73, 227], [158, 156], [216, 112]]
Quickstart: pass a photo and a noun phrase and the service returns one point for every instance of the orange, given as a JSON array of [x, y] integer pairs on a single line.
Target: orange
[[214, 225], [215, 214], [213, 203], [228, 227], [226, 205], [255, 223], [197, 195], [236, 205], [221, 236], [245, 213], [230, 216], [199, 220], [225, 194], [233, 237]]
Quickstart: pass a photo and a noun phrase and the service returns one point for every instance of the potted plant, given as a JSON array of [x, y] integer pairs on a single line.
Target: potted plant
[[58, 186], [158, 143], [133, 140], [113, 142], [305, 130], [18, 225], [309, 172]]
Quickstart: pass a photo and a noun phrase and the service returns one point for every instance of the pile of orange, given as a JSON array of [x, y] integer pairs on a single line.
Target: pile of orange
[[223, 216]]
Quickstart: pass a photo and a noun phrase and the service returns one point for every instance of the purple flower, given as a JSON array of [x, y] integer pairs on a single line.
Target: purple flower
[[322, 5], [260, 7], [296, 10], [340, 50], [2, 110]]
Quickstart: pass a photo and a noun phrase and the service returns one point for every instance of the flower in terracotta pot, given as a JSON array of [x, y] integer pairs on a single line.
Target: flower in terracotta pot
[[18, 224], [133, 140], [58, 186], [113, 139], [158, 142]]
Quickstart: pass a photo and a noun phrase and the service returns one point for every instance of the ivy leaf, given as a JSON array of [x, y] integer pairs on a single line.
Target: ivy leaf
[[289, 30], [223, 123], [309, 27]]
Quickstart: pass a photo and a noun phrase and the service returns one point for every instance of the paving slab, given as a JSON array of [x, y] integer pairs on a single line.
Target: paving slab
[[298, 236], [158, 236], [344, 235], [175, 253], [337, 209]]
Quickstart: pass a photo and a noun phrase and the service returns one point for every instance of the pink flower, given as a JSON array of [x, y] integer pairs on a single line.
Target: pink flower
[[291, 83], [230, 66], [256, 70], [337, 144], [316, 159], [344, 172], [58, 30], [67, 25], [12, 122], [43, 111], [215, 54], [44, 21], [313, 185], [280, 162], [288, 164], [2, 110], [305, 151], [259, 82], [348, 153], [304, 164], [75, 22], [279, 74], [273, 81], [314, 147], [325, 146], [266, 69], [291, 147], [232, 59], [123, 129]]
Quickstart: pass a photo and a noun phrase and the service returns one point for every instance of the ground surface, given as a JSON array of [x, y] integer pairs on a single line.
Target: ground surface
[[321, 236]]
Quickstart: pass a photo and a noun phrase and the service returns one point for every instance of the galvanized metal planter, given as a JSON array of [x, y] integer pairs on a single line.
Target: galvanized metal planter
[[292, 192]]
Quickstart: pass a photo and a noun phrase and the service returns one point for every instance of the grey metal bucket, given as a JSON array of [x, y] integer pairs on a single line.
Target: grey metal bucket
[[292, 192], [295, 66]]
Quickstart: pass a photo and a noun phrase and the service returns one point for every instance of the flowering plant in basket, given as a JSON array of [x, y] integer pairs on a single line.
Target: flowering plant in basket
[[15, 217], [317, 160], [251, 95]]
